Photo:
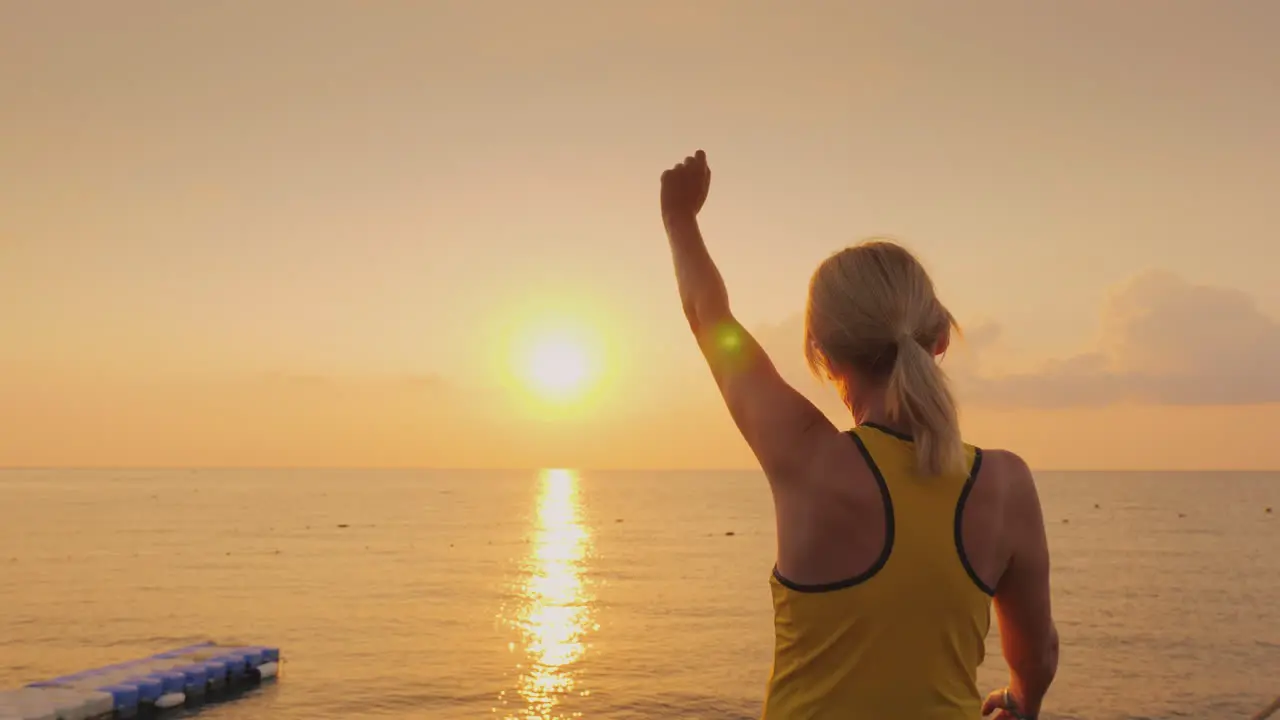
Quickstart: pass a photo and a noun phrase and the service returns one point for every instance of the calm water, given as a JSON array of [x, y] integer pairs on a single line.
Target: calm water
[[594, 595]]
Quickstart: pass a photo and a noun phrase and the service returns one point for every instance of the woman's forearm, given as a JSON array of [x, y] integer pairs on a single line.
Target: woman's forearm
[[1031, 676], [702, 290]]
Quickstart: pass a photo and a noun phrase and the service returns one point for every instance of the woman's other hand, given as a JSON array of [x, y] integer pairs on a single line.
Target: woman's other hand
[[1004, 705]]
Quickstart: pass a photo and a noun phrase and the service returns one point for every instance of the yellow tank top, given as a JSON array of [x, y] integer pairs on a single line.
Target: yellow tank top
[[904, 640]]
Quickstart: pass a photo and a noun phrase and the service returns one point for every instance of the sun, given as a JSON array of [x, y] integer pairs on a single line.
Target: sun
[[556, 359], [558, 366]]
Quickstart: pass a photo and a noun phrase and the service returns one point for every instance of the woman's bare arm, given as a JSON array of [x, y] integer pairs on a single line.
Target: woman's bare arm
[[781, 425], [1023, 608]]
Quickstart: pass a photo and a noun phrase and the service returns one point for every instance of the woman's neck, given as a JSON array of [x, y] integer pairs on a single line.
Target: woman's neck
[[871, 408]]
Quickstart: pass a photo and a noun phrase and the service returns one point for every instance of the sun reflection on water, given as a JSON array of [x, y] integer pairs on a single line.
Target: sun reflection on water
[[554, 612]]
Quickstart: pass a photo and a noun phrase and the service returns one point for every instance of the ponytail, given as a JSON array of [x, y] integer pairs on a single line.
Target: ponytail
[[873, 314], [918, 397]]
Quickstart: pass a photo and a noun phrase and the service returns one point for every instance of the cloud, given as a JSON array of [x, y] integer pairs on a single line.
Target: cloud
[[260, 419], [1163, 341], [784, 342], [336, 420], [321, 387]]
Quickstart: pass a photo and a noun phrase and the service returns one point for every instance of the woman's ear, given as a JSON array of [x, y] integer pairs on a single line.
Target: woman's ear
[[944, 342]]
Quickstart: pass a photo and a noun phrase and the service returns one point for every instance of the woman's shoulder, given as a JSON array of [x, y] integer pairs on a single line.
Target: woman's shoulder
[[1006, 479], [1006, 465]]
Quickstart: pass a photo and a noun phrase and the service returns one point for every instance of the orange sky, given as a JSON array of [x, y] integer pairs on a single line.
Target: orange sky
[[305, 233]]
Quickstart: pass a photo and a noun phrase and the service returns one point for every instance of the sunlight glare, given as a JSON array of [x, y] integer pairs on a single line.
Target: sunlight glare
[[555, 612]]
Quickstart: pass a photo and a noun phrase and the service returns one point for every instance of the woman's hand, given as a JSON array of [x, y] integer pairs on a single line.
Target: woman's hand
[[684, 188], [1004, 705]]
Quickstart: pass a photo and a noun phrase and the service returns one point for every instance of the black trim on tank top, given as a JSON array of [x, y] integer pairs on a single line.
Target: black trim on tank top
[[888, 536], [964, 496], [888, 431]]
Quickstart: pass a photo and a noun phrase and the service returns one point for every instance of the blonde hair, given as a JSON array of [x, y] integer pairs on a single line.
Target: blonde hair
[[872, 310]]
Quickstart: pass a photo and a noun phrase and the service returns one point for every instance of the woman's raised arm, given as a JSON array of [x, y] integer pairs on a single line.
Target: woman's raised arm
[[781, 425]]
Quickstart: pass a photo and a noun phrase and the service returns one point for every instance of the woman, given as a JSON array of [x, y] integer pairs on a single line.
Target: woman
[[893, 538]]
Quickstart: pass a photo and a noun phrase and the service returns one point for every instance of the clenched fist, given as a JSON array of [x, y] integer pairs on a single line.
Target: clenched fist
[[684, 187]]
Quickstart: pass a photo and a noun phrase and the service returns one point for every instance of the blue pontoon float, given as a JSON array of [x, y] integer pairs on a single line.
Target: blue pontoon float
[[176, 678]]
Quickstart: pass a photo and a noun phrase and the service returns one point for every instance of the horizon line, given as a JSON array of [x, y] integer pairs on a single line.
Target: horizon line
[[430, 468]]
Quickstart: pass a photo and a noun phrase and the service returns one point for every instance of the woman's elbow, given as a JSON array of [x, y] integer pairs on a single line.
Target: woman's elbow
[[1036, 660], [1045, 663], [1051, 659], [691, 314], [705, 313]]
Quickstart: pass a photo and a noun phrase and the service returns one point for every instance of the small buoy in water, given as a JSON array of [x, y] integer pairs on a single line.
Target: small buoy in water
[[1182, 515], [343, 525], [1096, 506], [729, 534], [1065, 521], [1268, 511], [618, 520]]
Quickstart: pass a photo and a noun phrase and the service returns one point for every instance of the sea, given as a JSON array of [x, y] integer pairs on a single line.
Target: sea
[[552, 594]]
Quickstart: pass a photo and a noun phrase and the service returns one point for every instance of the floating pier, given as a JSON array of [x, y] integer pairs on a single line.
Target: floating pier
[[177, 678]]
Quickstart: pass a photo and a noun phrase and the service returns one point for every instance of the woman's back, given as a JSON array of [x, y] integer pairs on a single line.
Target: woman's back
[[902, 636]]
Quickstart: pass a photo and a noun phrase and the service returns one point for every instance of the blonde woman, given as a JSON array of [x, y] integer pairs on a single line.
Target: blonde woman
[[894, 537]]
